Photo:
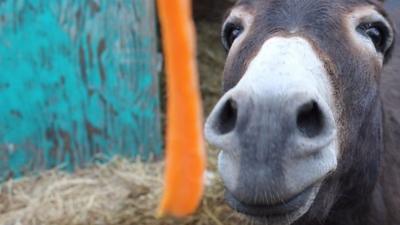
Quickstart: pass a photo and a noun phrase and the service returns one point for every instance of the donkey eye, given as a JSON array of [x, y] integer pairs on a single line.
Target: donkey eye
[[377, 32], [230, 34]]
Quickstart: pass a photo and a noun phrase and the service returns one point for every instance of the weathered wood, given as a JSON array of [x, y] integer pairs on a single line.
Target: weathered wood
[[78, 80]]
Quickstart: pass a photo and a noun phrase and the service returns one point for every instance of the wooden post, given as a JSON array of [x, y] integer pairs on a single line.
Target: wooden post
[[78, 81]]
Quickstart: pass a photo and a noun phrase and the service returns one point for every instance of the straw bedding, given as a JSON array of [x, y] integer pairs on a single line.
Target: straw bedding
[[119, 193]]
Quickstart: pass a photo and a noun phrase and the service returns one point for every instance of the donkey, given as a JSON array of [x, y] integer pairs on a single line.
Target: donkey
[[309, 125]]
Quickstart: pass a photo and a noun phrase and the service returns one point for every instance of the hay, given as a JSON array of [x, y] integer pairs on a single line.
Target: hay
[[120, 193]]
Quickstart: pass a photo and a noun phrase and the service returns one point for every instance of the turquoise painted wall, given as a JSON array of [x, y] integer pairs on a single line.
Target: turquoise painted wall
[[78, 81]]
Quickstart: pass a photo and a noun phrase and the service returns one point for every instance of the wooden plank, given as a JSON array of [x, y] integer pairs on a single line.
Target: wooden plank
[[78, 80]]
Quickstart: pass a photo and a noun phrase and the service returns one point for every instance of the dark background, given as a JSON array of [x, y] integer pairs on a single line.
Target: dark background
[[209, 16]]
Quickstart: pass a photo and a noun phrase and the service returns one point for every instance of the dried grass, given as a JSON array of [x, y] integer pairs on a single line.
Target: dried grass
[[119, 193]]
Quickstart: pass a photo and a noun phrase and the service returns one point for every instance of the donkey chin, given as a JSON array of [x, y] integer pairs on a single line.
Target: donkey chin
[[277, 132]]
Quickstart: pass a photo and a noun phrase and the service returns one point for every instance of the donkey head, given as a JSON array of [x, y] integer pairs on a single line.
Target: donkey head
[[299, 124]]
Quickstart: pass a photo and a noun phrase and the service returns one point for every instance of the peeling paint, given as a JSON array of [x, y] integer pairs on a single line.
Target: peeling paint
[[63, 104]]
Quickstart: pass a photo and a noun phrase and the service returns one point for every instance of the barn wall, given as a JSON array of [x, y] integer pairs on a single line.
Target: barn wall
[[78, 81]]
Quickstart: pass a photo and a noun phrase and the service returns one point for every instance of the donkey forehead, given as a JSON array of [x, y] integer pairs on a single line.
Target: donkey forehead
[[304, 4], [321, 22], [288, 13]]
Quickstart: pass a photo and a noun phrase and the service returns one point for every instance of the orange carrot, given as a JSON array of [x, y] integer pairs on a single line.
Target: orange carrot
[[185, 156]]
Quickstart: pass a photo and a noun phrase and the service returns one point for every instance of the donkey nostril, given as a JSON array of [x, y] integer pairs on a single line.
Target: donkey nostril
[[310, 119], [227, 117]]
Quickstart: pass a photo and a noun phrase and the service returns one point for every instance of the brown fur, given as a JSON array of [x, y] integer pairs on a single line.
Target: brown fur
[[389, 182], [365, 189]]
